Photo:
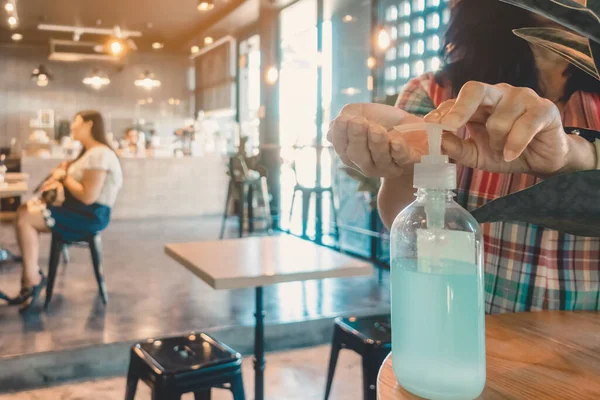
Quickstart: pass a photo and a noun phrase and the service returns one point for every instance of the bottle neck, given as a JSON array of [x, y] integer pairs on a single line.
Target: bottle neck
[[435, 194]]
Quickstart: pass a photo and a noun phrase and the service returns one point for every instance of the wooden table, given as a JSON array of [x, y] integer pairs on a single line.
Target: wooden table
[[256, 262], [538, 355]]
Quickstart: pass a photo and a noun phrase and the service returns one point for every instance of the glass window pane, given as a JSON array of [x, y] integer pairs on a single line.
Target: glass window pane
[[433, 3], [405, 29], [418, 25], [390, 90], [390, 55], [418, 47], [433, 42], [446, 15], [404, 50], [418, 5], [393, 33], [391, 14], [433, 21], [404, 71], [418, 68], [434, 64], [404, 9], [391, 73]]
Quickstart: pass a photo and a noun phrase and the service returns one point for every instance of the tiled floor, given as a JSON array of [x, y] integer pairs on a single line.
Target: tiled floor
[[291, 375], [151, 295]]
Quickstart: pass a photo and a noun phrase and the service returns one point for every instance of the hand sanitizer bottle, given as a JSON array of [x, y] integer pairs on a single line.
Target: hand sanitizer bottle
[[438, 328]]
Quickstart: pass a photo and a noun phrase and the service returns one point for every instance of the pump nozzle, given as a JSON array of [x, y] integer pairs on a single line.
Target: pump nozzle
[[434, 171]]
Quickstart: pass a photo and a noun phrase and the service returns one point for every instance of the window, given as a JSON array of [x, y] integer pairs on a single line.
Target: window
[[416, 27]]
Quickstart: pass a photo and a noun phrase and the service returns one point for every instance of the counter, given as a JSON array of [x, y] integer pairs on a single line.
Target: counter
[[158, 187]]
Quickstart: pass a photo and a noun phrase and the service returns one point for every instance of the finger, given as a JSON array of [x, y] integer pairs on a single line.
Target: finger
[[358, 146], [527, 127], [379, 146], [464, 152], [436, 115], [402, 153], [339, 139], [471, 97]]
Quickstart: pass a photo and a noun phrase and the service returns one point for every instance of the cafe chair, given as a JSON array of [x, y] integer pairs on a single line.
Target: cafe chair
[[59, 246], [244, 184], [308, 189], [193, 363], [368, 336]]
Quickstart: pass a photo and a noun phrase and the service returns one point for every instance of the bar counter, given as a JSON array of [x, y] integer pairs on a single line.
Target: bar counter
[[157, 187]]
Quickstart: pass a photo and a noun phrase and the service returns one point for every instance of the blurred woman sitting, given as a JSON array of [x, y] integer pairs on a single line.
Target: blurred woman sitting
[[84, 191]]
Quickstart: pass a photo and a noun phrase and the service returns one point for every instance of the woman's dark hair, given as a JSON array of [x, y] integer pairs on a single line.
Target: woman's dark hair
[[479, 45], [98, 132]]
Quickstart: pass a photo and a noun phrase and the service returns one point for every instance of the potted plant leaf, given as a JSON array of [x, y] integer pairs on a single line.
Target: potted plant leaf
[[568, 202]]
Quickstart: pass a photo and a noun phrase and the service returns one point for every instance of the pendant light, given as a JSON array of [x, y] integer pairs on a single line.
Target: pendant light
[[205, 5], [96, 80], [147, 81], [41, 76]]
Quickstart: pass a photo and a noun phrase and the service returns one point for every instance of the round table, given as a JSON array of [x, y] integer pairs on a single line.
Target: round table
[[538, 355]]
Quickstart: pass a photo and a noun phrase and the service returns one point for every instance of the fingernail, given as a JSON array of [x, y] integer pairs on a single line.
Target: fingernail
[[433, 116], [510, 155], [397, 146], [376, 137]]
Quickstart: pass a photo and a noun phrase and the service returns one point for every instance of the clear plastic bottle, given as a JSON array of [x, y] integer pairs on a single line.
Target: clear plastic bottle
[[438, 325]]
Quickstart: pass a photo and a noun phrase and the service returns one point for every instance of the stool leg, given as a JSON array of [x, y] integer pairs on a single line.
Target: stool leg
[[164, 394], [227, 200], [65, 255], [132, 381], [371, 364], [96, 250], [250, 208], [336, 232], [202, 395], [264, 190], [237, 387], [305, 208], [241, 209], [292, 208], [55, 248], [336, 345]]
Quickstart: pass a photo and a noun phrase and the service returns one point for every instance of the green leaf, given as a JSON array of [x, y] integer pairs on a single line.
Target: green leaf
[[572, 47], [568, 13]]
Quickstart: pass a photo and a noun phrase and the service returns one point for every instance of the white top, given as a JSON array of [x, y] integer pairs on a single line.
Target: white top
[[262, 261], [100, 158]]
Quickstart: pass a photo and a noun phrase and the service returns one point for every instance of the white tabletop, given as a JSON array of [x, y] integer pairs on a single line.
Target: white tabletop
[[16, 177], [13, 189], [262, 261]]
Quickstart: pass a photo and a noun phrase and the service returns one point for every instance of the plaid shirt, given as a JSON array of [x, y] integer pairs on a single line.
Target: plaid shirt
[[527, 267]]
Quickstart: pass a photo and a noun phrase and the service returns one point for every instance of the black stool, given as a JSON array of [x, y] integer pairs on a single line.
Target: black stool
[[368, 336], [59, 246], [193, 363], [246, 185]]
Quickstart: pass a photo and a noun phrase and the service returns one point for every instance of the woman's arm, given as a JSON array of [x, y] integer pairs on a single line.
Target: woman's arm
[[90, 187]]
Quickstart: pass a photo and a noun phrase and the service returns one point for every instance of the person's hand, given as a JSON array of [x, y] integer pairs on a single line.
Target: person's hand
[[511, 130], [364, 138], [60, 192], [59, 172]]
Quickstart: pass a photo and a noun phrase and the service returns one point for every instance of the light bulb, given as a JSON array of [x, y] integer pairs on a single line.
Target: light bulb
[[383, 39], [16, 37], [272, 75], [9, 7], [208, 40], [116, 47], [205, 5], [157, 45], [12, 21]]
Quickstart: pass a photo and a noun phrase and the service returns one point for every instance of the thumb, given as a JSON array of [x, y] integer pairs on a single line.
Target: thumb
[[464, 152]]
